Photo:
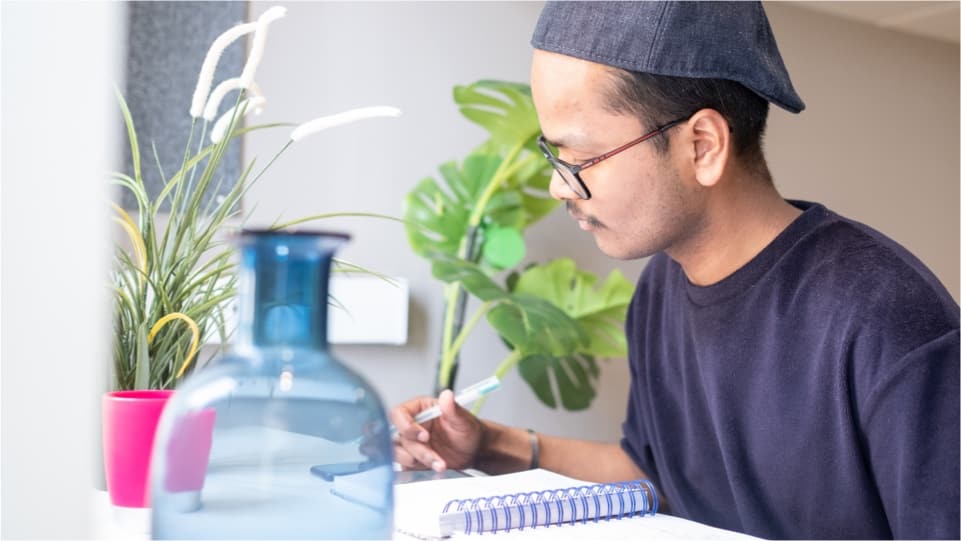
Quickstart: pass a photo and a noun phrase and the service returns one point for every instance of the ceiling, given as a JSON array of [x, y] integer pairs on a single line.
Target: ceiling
[[936, 20]]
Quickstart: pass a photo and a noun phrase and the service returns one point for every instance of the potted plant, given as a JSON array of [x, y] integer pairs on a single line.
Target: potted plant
[[174, 275], [556, 320]]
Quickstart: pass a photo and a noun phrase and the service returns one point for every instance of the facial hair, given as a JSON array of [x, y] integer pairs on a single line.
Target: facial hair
[[578, 215]]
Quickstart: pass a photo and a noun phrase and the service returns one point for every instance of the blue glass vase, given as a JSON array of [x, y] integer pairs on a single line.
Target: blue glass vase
[[278, 440]]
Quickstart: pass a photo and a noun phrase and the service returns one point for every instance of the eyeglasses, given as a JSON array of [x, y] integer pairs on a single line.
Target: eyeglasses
[[571, 173]]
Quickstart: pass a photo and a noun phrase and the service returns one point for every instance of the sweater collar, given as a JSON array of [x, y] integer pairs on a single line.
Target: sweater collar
[[751, 272]]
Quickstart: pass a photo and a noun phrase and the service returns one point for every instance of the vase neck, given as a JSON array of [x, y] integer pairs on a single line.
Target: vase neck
[[283, 288]]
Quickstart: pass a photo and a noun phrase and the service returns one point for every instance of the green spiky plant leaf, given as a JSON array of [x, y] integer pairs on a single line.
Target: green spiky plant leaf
[[178, 266], [175, 274]]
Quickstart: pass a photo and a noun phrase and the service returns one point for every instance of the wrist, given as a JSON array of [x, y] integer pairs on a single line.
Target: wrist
[[535, 449], [503, 449]]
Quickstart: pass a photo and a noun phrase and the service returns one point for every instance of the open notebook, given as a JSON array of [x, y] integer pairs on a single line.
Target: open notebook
[[621, 512]]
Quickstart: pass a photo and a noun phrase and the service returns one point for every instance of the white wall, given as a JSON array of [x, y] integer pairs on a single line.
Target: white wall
[[878, 142], [60, 133], [326, 57]]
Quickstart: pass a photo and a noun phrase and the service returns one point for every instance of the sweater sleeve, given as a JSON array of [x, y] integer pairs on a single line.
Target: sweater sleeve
[[911, 428]]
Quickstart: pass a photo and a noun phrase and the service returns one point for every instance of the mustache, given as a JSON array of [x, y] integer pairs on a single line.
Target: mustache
[[578, 215]]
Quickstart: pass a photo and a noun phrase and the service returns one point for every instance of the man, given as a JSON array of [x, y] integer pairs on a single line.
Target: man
[[794, 373]]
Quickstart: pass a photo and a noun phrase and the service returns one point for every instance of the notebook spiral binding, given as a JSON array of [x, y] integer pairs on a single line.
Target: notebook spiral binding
[[547, 507]]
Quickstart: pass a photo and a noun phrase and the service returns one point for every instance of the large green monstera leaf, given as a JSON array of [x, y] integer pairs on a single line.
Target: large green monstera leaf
[[504, 109], [534, 326], [556, 320], [451, 269], [599, 313], [600, 310], [571, 378], [507, 112], [438, 212], [528, 323]]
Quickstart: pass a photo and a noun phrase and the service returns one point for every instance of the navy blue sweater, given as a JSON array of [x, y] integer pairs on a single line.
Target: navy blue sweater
[[811, 394]]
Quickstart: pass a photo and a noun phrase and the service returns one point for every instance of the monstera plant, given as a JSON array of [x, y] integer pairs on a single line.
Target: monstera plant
[[557, 320]]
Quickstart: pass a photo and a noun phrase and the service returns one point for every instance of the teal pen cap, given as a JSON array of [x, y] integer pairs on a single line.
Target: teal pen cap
[[464, 397]]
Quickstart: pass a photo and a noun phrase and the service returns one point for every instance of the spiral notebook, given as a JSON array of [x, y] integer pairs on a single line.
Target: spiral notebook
[[544, 508], [538, 504]]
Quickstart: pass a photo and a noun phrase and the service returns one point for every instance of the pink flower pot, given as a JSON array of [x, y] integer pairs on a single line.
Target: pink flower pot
[[129, 425]]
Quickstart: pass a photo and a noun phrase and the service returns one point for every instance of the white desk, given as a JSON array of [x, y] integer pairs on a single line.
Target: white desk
[[133, 524], [130, 524], [117, 523]]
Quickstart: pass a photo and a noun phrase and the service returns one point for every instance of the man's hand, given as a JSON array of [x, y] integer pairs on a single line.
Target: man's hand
[[449, 441]]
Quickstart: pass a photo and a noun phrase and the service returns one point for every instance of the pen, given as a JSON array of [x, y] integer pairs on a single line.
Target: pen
[[465, 397]]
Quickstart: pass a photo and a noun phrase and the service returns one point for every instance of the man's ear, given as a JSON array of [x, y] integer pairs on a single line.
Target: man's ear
[[712, 146]]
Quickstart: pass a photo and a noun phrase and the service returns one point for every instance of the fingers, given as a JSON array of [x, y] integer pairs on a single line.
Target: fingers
[[453, 415], [405, 459], [448, 406], [417, 456], [450, 439], [410, 450], [403, 418]]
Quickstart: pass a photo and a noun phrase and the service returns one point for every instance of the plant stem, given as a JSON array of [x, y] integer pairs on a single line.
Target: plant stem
[[173, 213], [455, 296], [272, 160], [520, 164], [445, 367], [507, 364], [337, 215], [502, 369], [466, 330], [499, 177]]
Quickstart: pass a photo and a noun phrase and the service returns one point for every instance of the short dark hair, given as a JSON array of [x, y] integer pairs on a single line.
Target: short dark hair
[[658, 99]]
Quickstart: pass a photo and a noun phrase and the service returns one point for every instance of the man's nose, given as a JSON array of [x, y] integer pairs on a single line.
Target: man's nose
[[559, 189]]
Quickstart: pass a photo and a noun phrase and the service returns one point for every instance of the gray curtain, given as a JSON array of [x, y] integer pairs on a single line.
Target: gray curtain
[[167, 43]]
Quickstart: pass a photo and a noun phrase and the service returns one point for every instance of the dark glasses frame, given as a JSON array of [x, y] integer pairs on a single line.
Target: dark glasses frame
[[571, 173]]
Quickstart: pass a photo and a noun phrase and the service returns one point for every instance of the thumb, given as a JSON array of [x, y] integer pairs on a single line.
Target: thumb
[[455, 416]]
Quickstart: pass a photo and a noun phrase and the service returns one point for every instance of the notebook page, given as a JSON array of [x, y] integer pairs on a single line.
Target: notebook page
[[417, 506]]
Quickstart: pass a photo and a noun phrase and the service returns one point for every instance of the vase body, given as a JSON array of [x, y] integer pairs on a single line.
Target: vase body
[[129, 423], [301, 446]]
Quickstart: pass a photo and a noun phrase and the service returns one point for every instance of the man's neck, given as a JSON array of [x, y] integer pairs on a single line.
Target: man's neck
[[737, 225]]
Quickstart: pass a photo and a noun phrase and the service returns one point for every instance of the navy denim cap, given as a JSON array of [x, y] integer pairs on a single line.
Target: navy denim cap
[[719, 40]]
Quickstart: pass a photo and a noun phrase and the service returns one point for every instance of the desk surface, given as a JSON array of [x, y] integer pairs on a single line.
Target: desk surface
[[110, 522], [133, 524]]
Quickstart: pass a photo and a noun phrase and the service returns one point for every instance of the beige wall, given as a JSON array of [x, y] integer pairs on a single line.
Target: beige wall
[[879, 139], [879, 142]]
